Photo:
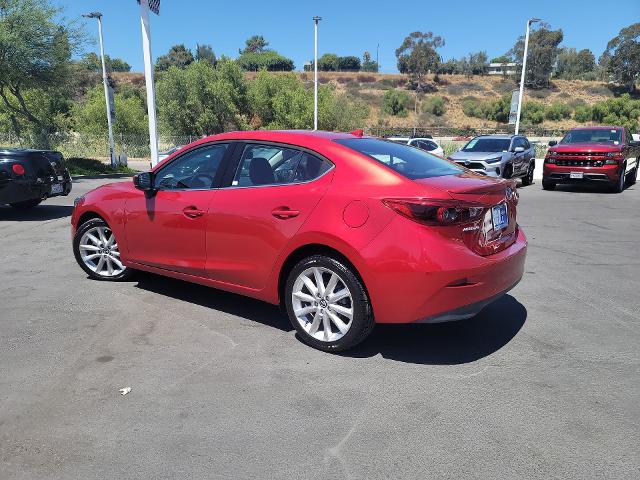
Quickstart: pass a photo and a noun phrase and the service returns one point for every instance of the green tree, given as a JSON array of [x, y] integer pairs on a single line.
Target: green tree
[[201, 99], [396, 103], [255, 44], [541, 57], [178, 56], [90, 115], [572, 64], [91, 61], [417, 56], [328, 62], [368, 65], [349, 64], [268, 60], [283, 102], [478, 63], [622, 57], [204, 53], [35, 52], [501, 59]]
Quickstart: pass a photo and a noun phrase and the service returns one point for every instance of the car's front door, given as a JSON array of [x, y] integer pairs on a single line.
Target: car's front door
[[166, 229], [519, 163], [273, 190]]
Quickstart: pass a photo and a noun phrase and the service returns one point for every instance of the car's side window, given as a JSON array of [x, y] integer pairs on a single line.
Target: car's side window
[[195, 170], [275, 165]]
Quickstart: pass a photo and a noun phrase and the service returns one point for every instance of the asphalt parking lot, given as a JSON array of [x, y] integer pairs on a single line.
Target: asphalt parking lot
[[544, 383]]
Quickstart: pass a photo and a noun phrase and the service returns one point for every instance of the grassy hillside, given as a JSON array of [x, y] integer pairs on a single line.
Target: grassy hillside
[[370, 88]]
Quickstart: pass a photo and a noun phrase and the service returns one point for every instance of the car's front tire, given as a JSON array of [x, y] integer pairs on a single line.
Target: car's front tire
[[96, 251], [528, 178], [27, 204], [618, 186], [327, 304], [547, 185], [508, 171]]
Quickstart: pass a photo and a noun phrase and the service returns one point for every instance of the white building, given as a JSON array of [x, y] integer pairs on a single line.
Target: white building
[[502, 68]]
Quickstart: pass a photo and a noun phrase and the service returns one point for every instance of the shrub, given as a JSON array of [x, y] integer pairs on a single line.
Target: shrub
[[366, 78], [532, 113], [558, 111], [395, 102], [472, 107], [434, 105], [582, 113]]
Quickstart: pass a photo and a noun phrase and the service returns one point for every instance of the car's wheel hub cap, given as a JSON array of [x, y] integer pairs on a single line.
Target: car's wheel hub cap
[[322, 304], [99, 252]]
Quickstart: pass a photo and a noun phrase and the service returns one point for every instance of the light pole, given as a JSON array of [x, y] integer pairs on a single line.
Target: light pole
[[524, 68], [315, 72], [112, 156]]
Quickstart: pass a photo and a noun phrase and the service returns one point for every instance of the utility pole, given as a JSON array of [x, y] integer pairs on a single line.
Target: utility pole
[[524, 69], [112, 155], [315, 72]]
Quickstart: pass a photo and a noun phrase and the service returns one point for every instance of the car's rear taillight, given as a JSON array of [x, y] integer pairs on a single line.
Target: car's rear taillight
[[18, 169], [435, 212]]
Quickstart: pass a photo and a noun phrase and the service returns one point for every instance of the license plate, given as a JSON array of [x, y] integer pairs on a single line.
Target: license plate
[[499, 216], [576, 175], [60, 178], [56, 188]]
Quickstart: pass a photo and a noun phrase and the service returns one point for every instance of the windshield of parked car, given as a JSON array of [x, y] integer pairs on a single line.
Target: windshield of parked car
[[480, 144], [593, 135], [410, 162]]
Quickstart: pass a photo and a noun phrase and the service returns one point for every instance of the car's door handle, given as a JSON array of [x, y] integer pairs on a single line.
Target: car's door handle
[[284, 213], [192, 212]]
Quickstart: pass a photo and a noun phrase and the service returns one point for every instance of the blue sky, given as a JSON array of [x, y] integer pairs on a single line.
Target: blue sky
[[350, 27]]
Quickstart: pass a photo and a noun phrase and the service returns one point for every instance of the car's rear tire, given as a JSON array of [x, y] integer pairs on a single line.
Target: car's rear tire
[[27, 204], [632, 178], [327, 304], [618, 186], [528, 178], [96, 251], [547, 185]]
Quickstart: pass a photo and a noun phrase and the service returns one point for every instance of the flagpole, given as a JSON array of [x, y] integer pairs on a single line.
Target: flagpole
[[148, 76]]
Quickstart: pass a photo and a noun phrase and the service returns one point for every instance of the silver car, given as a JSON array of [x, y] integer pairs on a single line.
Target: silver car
[[505, 156]]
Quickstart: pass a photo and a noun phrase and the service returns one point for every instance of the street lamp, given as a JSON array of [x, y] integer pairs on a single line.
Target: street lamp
[[524, 68], [98, 16], [315, 72]]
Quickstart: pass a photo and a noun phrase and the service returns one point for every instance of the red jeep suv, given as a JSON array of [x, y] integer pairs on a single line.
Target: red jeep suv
[[592, 154]]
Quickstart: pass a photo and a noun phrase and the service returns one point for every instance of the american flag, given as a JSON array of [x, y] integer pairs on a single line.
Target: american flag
[[154, 6]]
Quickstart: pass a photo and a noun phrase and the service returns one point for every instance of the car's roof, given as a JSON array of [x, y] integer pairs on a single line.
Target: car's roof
[[16, 152], [499, 137], [597, 127], [282, 135]]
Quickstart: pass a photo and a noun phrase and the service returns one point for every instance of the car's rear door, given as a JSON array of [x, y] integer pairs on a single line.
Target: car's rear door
[[166, 229], [270, 192]]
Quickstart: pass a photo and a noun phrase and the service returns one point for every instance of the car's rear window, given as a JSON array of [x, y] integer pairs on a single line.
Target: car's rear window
[[409, 162]]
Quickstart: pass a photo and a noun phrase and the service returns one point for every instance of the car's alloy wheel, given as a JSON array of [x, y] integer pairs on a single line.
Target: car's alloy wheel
[[97, 252], [327, 304]]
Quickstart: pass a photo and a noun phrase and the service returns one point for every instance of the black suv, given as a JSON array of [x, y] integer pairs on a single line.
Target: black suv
[[27, 177]]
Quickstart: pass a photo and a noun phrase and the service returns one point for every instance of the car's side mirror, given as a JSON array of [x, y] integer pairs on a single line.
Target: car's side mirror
[[518, 149], [553, 143], [143, 181]]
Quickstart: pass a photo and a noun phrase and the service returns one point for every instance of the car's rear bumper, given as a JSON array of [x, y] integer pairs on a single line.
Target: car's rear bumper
[[562, 174], [21, 190], [425, 277]]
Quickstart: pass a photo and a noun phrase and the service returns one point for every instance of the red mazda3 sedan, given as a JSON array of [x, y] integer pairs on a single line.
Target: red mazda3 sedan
[[342, 230]]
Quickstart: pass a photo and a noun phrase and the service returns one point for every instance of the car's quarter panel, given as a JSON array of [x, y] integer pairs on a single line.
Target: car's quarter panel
[[162, 231], [245, 234]]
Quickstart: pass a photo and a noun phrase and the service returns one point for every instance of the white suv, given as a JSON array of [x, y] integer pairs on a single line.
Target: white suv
[[423, 143]]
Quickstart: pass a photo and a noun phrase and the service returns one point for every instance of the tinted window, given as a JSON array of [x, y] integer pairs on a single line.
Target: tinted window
[[195, 169], [273, 165], [409, 162], [593, 135], [485, 144]]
